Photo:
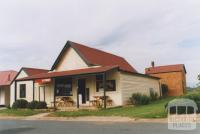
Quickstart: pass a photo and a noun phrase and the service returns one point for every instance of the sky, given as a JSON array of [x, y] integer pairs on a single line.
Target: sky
[[33, 32]]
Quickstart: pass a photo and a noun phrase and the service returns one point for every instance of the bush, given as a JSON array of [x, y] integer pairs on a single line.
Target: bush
[[198, 106], [194, 97], [140, 99], [8, 107], [37, 105], [32, 104], [20, 104], [41, 105], [153, 95]]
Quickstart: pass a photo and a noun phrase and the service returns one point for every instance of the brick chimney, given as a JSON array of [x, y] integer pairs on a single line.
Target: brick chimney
[[153, 64], [9, 79]]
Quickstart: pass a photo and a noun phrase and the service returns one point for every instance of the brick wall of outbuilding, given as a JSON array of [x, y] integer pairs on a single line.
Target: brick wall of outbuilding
[[176, 82]]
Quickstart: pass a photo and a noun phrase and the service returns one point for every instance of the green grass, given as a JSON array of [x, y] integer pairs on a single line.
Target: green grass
[[19, 112], [153, 110]]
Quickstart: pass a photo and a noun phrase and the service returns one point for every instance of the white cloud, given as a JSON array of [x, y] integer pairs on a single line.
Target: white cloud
[[139, 30]]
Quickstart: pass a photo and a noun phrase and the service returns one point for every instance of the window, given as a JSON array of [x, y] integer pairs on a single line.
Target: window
[[181, 110], [99, 83], [63, 87], [190, 110], [22, 90], [110, 84], [172, 110]]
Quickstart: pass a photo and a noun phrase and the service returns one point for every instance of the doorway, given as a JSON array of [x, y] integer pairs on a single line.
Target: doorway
[[42, 93], [81, 90]]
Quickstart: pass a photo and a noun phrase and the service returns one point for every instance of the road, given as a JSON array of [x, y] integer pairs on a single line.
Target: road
[[55, 127]]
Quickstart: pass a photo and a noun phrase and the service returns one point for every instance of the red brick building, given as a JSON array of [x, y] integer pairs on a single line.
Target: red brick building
[[174, 76]]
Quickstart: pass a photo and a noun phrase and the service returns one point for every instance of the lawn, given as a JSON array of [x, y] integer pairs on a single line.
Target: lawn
[[153, 110], [19, 112]]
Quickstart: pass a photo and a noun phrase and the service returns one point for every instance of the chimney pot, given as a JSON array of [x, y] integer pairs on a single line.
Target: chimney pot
[[153, 64], [9, 78]]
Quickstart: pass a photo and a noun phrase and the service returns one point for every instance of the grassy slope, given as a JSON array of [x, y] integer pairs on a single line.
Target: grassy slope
[[153, 110], [21, 112]]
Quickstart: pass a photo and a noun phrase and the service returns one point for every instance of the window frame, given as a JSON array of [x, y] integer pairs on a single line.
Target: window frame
[[22, 91], [63, 81], [99, 84]]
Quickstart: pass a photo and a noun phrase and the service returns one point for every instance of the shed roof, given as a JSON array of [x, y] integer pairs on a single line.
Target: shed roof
[[34, 71], [6, 77], [91, 70], [166, 69]]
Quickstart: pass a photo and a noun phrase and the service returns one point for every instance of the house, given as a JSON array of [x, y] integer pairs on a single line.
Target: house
[[173, 76], [24, 72], [6, 78], [82, 74]]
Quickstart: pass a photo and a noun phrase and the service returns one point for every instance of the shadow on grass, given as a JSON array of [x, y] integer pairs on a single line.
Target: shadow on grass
[[16, 130]]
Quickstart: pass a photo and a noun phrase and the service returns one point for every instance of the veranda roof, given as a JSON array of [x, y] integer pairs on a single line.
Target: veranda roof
[[92, 70]]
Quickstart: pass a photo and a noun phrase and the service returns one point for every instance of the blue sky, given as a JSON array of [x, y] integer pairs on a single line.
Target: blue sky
[[168, 32]]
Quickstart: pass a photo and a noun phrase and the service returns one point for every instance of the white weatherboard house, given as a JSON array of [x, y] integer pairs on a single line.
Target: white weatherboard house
[[24, 86], [84, 76], [6, 79]]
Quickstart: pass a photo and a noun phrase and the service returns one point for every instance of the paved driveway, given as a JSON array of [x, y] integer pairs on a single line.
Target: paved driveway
[[53, 127]]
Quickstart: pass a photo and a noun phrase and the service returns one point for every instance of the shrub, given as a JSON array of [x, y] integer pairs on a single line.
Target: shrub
[[8, 107], [32, 104], [196, 98], [198, 106], [20, 104], [153, 95], [140, 99], [41, 105]]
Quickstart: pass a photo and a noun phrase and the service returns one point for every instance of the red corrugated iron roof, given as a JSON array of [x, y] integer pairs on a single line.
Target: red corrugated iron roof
[[6, 77], [165, 69], [94, 56], [70, 73], [34, 71]]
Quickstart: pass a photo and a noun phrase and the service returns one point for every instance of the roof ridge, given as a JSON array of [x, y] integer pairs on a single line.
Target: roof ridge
[[93, 56], [95, 49], [34, 68], [9, 71], [165, 66]]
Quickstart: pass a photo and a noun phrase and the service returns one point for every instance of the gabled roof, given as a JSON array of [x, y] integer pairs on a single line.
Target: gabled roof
[[34, 71], [166, 69], [6, 77], [69, 73], [93, 57], [30, 72]]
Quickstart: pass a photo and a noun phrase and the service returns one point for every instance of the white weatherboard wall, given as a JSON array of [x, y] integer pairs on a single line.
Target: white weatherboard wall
[[12, 93], [71, 61], [4, 95], [136, 84], [114, 95], [49, 93], [29, 88]]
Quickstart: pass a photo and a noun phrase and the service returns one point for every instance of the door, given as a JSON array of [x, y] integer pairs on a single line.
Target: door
[[81, 88], [42, 93], [87, 90]]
